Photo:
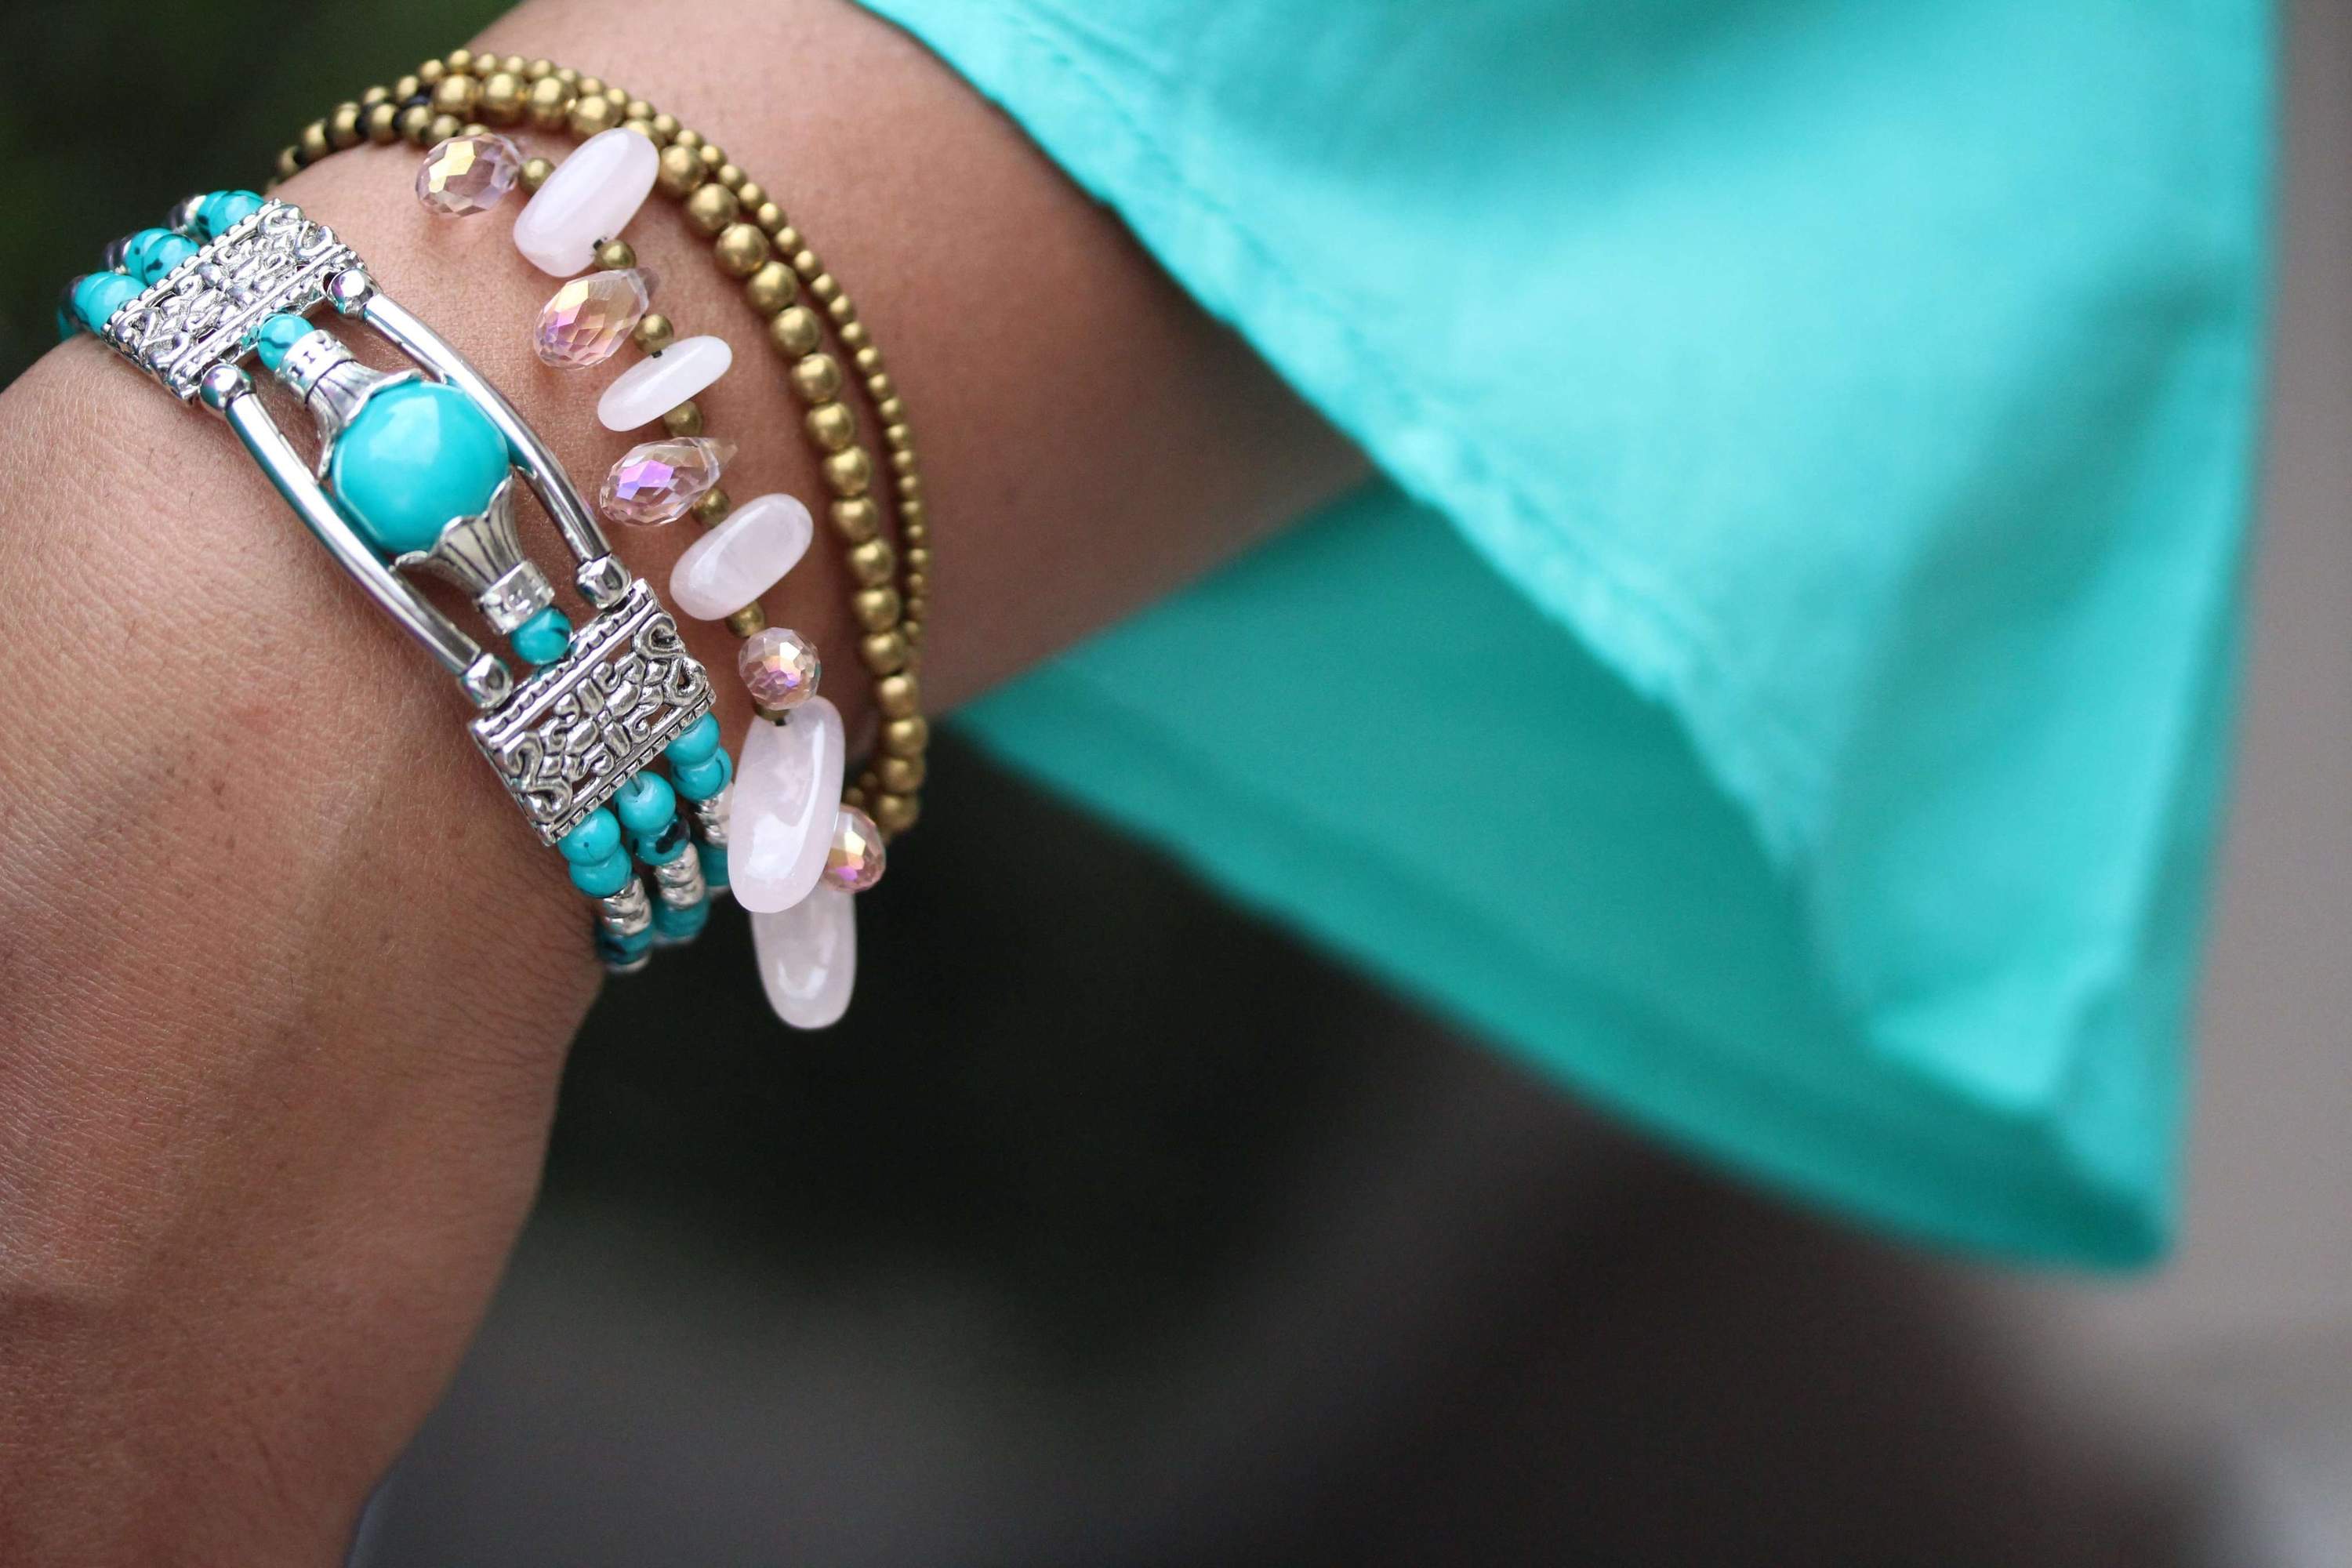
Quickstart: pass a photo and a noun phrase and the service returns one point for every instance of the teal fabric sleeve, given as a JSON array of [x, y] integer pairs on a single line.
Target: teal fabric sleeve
[[1778, 686]]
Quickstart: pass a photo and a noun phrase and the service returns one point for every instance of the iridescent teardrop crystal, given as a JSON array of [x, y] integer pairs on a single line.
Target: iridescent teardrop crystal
[[779, 669], [468, 174], [586, 321], [855, 859], [657, 481]]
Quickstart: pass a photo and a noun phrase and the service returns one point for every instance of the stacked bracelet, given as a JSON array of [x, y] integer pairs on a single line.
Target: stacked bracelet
[[415, 473], [783, 864]]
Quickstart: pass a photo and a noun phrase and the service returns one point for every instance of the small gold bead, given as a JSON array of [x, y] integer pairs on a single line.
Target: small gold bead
[[638, 108], [823, 287], [406, 88], [901, 775], [795, 330], [686, 419], [712, 508], [502, 97], [853, 334], [619, 100], [590, 85], [729, 175], [855, 795], [906, 737], [590, 116], [769, 217], [872, 563], [909, 486], [383, 124], [895, 812], [535, 171], [374, 96], [884, 653], [902, 463], [849, 473], [788, 244], [312, 144], [816, 377], [430, 73], [877, 609], [919, 557], [539, 70], [842, 310], [805, 262], [666, 129], [653, 333], [712, 155], [899, 695], [289, 163], [459, 60], [680, 171], [917, 610], [457, 95], [548, 102], [615, 254], [832, 426], [886, 402], [868, 360], [913, 632], [741, 249], [858, 519], [644, 127], [343, 125], [771, 289], [473, 128], [898, 437], [749, 620], [444, 126], [687, 138], [752, 193], [711, 208], [513, 65], [417, 124], [916, 583]]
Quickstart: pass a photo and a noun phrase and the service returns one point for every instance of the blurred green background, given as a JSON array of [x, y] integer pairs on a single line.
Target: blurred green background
[[117, 110]]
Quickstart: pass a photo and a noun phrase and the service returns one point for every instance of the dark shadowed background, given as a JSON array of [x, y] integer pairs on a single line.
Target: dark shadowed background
[[1113, 1227]]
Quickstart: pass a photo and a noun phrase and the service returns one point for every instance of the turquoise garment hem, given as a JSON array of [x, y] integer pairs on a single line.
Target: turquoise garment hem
[[1818, 448]]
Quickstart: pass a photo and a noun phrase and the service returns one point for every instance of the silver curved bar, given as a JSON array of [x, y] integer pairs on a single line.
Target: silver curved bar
[[230, 391], [602, 587]]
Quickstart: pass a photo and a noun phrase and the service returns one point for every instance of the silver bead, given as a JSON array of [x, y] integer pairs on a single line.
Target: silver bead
[[181, 218], [679, 880], [627, 913], [710, 815]]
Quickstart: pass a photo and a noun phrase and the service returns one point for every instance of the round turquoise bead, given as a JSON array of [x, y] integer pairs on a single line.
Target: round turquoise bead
[[136, 249], [598, 835], [714, 864], [276, 338], [603, 879], [661, 848], [683, 923], [696, 741], [615, 948], [543, 638], [100, 295], [646, 803], [415, 457], [161, 255], [223, 210], [701, 780]]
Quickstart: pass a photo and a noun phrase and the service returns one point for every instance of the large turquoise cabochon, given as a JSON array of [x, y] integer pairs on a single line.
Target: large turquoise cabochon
[[415, 457]]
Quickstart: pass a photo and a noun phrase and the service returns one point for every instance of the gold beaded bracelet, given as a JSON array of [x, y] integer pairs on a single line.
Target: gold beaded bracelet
[[752, 240]]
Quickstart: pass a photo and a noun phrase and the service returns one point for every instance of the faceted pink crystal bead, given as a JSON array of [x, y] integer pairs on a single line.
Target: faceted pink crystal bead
[[855, 861], [468, 174], [779, 669], [585, 322], [656, 482]]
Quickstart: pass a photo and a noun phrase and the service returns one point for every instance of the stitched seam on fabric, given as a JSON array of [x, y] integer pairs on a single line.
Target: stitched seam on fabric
[[1787, 759]]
